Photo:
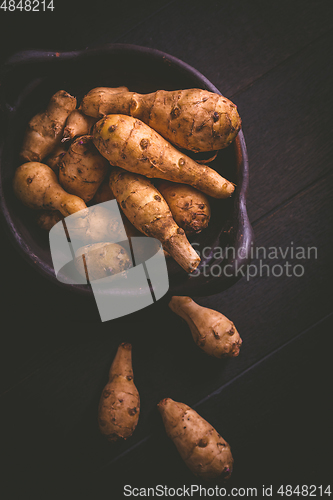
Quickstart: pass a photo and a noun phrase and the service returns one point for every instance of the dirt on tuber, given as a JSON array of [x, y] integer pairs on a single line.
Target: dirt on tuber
[[45, 129], [37, 186], [82, 169], [77, 124], [203, 450], [146, 209], [119, 406], [193, 119], [130, 144], [189, 207], [211, 330]]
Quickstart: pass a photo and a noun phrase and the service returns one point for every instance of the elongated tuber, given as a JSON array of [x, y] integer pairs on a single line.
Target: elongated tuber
[[130, 144], [119, 405], [45, 129], [193, 119], [189, 207], [147, 210], [201, 447], [211, 331], [82, 169], [36, 185]]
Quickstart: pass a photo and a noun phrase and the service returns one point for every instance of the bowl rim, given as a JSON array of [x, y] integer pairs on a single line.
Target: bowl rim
[[244, 231]]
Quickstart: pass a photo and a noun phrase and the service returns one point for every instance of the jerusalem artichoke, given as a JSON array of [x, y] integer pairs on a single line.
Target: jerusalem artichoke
[[82, 169], [130, 144], [203, 450], [119, 405], [45, 129], [211, 331], [147, 210], [193, 119], [77, 124], [36, 185], [189, 207]]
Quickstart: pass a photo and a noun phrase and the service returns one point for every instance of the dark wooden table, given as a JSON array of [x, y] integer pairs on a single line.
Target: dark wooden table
[[272, 403]]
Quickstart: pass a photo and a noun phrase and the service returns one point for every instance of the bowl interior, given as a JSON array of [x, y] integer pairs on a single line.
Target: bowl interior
[[26, 89]]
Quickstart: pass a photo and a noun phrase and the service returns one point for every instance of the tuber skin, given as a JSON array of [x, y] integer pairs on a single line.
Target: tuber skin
[[101, 260], [130, 144], [203, 450], [119, 405], [215, 334], [45, 130], [193, 119], [77, 124], [82, 168], [147, 210], [96, 101], [36, 185], [189, 207]]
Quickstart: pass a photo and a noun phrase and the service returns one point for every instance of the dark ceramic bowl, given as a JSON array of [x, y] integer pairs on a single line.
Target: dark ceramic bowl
[[30, 78]]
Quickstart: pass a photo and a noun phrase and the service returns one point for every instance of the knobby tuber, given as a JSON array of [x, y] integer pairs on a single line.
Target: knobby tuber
[[147, 210], [95, 102], [119, 405], [189, 207], [131, 144], [77, 124], [201, 447], [45, 129], [211, 330], [82, 169], [36, 185], [193, 119]]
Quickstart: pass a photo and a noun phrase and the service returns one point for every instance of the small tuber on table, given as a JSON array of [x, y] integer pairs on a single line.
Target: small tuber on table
[[211, 330], [203, 450], [119, 406]]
